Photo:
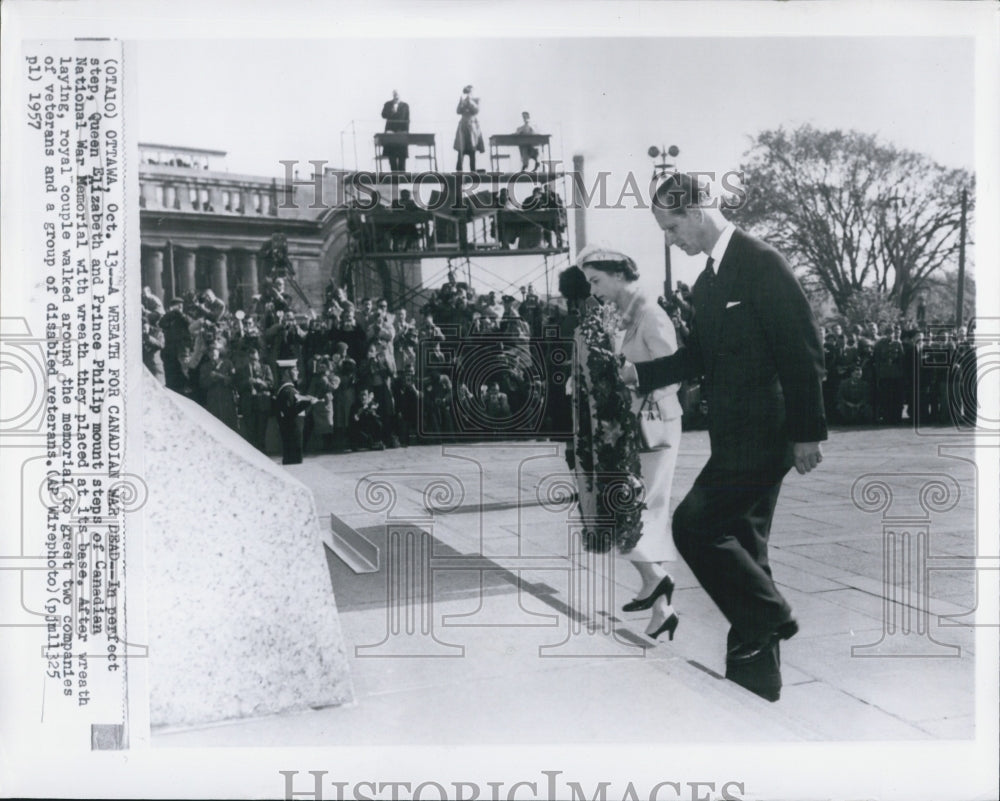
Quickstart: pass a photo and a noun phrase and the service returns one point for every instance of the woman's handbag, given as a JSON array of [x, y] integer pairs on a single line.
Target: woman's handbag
[[654, 429]]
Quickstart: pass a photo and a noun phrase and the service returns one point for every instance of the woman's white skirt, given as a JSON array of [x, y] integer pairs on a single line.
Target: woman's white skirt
[[657, 541]]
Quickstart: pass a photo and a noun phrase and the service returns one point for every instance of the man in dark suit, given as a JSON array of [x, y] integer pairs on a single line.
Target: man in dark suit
[[396, 114], [754, 341]]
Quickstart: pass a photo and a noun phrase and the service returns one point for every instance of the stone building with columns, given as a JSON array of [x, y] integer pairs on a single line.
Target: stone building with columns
[[202, 227]]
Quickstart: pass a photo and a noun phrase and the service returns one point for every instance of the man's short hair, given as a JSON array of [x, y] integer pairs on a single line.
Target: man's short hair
[[678, 192]]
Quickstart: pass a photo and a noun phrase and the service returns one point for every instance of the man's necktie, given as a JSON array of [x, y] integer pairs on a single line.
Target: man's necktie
[[710, 271]]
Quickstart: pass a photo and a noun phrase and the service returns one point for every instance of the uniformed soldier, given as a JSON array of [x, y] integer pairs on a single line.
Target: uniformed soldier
[[255, 383], [290, 407]]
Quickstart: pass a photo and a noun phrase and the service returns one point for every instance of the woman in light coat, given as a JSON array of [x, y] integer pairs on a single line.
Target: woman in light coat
[[468, 137], [648, 333]]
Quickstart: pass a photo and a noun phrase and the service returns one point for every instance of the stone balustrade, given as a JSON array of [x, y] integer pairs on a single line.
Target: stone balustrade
[[181, 189]]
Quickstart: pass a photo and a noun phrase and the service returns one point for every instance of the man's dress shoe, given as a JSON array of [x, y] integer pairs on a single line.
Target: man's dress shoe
[[756, 666], [748, 652]]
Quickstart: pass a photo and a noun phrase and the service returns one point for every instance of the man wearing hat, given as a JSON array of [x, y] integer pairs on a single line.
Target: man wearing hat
[[176, 327], [290, 407], [408, 407], [254, 381]]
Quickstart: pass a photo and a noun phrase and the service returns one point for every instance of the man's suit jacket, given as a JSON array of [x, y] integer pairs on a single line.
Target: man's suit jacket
[[756, 344], [397, 121]]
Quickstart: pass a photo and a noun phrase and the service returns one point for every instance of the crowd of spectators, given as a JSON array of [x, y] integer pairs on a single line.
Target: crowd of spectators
[[382, 378], [478, 364], [895, 373], [900, 374]]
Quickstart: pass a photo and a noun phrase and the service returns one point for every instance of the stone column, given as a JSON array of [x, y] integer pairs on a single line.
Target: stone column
[[147, 194], [152, 270], [217, 275], [248, 276], [184, 270], [169, 280]]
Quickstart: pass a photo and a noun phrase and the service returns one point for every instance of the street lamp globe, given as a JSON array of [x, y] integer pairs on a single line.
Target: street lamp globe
[[660, 170], [663, 153]]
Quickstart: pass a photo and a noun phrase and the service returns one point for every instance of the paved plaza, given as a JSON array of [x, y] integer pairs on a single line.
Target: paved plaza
[[486, 623]]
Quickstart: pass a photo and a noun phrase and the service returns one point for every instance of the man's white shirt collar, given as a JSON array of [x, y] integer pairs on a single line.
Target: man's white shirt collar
[[720, 246]]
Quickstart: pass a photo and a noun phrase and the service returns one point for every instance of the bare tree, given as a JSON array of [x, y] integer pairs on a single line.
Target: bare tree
[[851, 212], [940, 300]]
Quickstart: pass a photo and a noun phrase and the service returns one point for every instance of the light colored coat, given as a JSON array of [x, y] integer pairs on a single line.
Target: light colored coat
[[650, 334], [468, 137]]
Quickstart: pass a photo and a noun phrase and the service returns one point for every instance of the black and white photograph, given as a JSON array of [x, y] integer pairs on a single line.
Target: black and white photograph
[[513, 401]]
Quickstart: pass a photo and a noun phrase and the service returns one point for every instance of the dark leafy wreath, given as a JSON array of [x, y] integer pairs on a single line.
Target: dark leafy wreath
[[607, 453]]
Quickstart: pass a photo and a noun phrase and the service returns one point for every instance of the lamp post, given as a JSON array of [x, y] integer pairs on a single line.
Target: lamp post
[[660, 170], [960, 294]]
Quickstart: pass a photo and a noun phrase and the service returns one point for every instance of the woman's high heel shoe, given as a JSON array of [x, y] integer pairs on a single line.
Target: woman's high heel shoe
[[665, 587], [669, 625]]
